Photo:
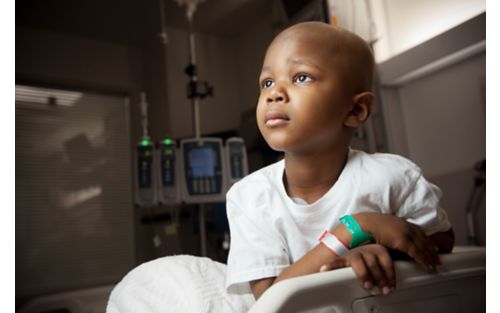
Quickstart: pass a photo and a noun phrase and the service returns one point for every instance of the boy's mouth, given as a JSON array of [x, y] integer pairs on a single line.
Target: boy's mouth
[[274, 119]]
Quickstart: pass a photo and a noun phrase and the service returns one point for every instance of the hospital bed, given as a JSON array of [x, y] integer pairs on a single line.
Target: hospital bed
[[459, 286], [184, 284]]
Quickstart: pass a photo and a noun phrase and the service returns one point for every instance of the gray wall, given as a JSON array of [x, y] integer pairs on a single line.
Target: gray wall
[[434, 103], [444, 115], [445, 118]]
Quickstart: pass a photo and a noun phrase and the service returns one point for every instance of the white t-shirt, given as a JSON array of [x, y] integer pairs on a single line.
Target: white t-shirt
[[270, 231]]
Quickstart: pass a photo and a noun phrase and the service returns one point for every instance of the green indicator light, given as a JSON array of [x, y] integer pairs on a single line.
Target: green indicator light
[[145, 142], [168, 141]]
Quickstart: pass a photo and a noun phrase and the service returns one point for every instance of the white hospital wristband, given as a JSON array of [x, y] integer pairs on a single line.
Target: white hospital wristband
[[333, 243]]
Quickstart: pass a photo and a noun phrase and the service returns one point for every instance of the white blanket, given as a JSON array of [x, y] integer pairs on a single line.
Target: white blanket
[[179, 284]]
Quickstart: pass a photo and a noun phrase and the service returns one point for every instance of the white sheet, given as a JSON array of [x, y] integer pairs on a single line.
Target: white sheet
[[177, 284]]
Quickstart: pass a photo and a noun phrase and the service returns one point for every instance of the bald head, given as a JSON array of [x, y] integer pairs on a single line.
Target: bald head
[[349, 54]]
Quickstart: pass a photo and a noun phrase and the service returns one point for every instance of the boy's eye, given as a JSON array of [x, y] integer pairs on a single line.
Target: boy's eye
[[267, 83], [302, 78]]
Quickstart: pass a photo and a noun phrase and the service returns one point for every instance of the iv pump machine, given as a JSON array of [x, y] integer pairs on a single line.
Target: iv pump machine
[[199, 170]]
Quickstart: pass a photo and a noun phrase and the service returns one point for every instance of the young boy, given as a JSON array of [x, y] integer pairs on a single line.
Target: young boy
[[325, 205]]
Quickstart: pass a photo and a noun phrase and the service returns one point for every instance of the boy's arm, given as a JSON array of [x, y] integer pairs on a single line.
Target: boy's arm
[[312, 261], [407, 237], [308, 264], [390, 231]]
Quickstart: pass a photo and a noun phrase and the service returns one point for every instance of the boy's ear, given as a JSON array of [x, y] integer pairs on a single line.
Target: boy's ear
[[361, 109]]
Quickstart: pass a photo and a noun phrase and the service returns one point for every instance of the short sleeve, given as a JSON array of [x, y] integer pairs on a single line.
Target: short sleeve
[[421, 206], [256, 251]]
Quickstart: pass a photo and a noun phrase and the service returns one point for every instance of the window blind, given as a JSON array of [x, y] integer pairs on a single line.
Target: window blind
[[74, 214]]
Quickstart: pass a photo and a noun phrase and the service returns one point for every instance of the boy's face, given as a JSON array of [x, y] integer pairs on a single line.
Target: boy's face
[[302, 106]]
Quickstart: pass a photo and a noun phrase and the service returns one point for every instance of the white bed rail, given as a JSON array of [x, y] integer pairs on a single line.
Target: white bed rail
[[459, 286]]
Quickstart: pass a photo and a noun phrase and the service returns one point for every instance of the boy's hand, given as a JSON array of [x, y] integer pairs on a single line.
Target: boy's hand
[[398, 234], [372, 264]]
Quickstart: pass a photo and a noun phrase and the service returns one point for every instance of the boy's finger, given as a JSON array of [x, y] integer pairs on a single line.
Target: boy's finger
[[359, 268], [415, 254], [427, 250], [419, 256], [375, 270], [388, 267], [427, 247], [423, 241]]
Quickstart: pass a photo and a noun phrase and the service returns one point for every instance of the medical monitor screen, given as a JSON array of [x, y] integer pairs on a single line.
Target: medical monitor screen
[[202, 162]]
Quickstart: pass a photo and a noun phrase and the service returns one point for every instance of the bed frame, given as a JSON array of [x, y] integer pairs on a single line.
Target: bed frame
[[459, 286]]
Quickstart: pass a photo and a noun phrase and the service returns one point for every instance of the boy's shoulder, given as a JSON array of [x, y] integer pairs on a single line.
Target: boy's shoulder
[[384, 159], [385, 165], [261, 179]]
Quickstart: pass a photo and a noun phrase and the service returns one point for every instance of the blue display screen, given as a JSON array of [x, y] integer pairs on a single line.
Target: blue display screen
[[202, 162]]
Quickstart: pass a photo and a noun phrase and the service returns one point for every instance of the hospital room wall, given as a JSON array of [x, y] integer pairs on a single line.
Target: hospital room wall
[[434, 102], [445, 122]]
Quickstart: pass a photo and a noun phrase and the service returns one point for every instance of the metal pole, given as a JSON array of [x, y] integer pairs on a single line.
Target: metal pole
[[196, 123], [194, 78], [203, 233]]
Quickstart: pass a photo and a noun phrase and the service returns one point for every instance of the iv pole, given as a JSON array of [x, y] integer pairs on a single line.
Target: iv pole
[[196, 90], [191, 71]]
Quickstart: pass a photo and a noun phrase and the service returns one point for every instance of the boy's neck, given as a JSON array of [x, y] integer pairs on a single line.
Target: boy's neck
[[309, 177]]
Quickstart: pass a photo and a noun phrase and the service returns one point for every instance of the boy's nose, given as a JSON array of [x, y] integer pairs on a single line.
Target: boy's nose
[[277, 94]]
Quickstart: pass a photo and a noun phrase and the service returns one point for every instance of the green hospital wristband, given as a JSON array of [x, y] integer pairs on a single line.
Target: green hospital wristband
[[359, 237]]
